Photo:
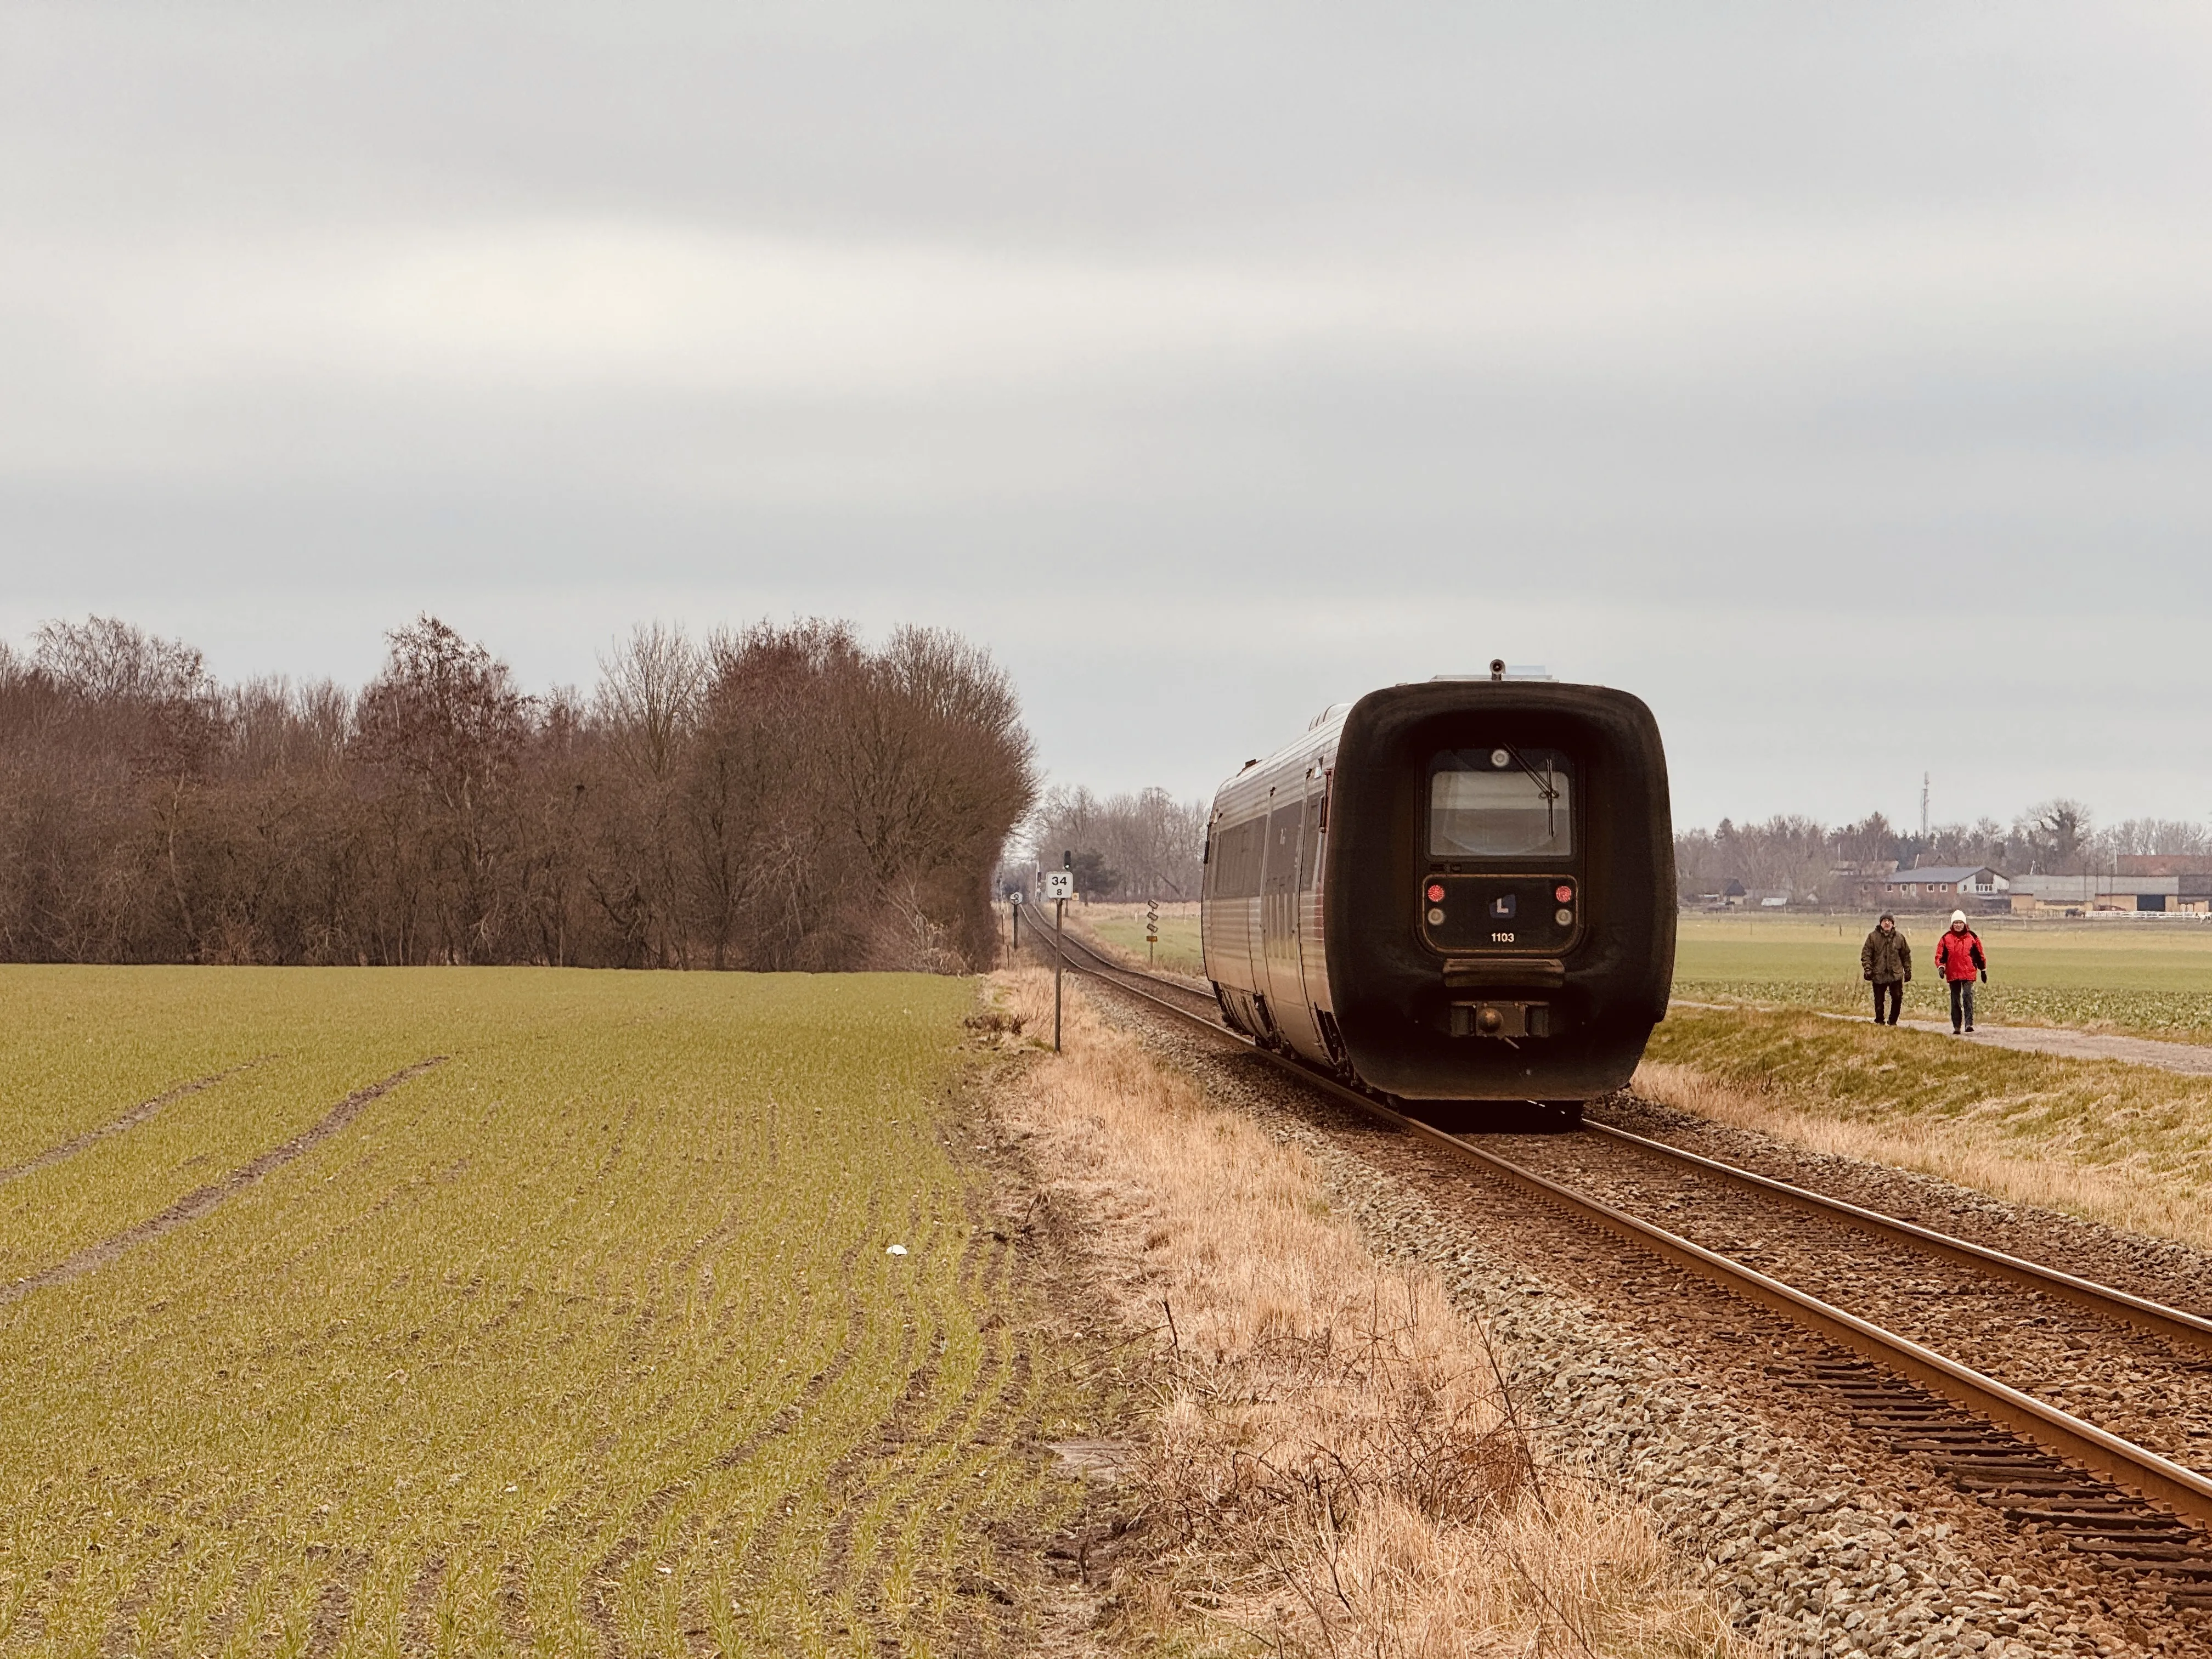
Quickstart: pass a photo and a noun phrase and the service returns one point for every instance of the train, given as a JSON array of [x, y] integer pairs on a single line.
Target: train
[[1454, 891]]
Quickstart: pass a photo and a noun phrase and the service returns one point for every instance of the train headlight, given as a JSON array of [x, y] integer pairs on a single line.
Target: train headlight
[[1435, 916], [1436, 892], [1500, 759], [1565, 918], [1564, 893]]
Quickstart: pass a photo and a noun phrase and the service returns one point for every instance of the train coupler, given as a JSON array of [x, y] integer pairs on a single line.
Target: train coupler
[[1501, 1019]]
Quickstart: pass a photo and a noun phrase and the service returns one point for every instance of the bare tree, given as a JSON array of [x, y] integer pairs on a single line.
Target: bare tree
[[2057, 836], [439, 733], [1145, 845], [647, 708], [2152, 837]]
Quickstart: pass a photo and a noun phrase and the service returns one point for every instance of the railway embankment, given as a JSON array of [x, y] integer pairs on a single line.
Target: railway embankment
[[1834, 1508], [1339, 1459], [2125, 1145]]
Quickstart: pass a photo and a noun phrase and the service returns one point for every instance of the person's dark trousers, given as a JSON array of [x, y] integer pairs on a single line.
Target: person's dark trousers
[[1896, 995], [1962, 1000]]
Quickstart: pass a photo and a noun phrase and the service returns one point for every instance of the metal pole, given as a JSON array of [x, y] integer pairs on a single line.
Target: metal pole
[[1059, 922]]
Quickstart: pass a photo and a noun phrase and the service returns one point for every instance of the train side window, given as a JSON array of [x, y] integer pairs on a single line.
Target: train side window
[[1309, 849], [1252, 847], [1283, 847], [1238, 852]]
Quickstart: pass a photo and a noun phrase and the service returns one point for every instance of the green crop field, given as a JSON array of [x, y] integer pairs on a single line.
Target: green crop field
[[578, 1334], [2145, 979]]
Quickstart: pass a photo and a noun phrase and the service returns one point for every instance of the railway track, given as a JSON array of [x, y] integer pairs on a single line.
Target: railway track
[[2139, 1513]]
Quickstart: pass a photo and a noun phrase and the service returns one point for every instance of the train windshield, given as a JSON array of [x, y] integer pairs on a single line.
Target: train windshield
[[1500, 803]]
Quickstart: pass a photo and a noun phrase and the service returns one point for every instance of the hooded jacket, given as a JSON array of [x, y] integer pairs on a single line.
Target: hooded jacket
[[1885, 958]]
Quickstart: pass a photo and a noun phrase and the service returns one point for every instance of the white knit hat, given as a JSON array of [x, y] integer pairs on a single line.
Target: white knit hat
[[1958, 915]]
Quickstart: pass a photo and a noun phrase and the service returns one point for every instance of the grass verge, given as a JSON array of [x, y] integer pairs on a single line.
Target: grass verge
[[1332, 1466], [2129, 1145]]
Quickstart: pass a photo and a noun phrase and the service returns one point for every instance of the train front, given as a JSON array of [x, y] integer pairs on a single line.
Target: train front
[[1500, 923]]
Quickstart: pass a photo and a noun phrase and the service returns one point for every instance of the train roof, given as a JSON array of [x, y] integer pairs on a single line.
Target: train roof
[[1320, 740]]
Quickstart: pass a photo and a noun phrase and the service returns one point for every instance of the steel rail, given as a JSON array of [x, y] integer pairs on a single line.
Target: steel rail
[[2175, 1323], [2157, 1479]]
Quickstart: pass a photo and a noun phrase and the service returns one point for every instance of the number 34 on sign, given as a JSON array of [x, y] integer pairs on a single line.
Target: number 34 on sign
[[1060, 884]]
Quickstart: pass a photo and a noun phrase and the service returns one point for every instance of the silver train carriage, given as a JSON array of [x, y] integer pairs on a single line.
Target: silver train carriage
[[1457, 890]]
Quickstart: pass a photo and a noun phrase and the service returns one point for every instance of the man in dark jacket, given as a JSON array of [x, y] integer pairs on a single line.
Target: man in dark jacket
[[1960, 958], [1886, 962]]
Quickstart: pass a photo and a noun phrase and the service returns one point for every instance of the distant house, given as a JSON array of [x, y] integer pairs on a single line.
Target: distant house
[[1940, 887], [2125, 892], [1731, 897]]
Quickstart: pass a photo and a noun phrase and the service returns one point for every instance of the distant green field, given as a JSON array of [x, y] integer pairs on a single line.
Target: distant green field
[[2143, 979], [2146, 979], [584, 1338], [1123, 926]]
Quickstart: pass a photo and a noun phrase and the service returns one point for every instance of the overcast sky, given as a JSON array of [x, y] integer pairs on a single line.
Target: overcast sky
[[1836, 377]]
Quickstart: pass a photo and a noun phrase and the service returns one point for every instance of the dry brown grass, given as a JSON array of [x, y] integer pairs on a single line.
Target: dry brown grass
[[1972, 1150], [1333, 1466]]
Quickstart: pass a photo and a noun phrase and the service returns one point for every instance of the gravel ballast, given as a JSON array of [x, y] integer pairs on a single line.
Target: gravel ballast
[[1817, 1541]]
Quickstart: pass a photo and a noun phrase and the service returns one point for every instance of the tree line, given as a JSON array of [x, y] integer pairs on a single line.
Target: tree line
[[771, 797], [1806, 858], [1147, 845]]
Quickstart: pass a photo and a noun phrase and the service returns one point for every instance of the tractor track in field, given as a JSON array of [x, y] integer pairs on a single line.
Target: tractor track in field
[[596, 1598], [206, 1201], [977, 1420], [131, 1120], [335, 1602], [424, 1589], [2126, 1526], [757, 1556]]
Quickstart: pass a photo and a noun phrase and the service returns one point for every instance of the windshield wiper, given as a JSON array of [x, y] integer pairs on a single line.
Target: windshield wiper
[[1544, 788]]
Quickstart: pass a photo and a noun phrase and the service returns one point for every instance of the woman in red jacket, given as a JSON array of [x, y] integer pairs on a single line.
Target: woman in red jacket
[[1959, 959]]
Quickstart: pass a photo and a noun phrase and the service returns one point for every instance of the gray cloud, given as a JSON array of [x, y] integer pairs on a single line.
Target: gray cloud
[[1838, 381]]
